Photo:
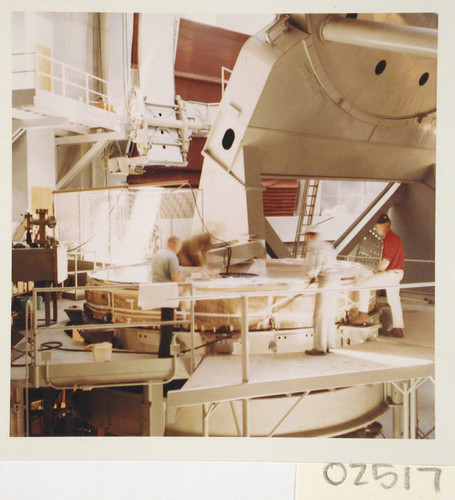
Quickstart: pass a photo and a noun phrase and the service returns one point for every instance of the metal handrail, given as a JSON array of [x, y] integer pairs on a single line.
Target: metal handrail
[[65, 81], [243, 296], [58, 79], [51, 59], [355, 258], [303, 290]]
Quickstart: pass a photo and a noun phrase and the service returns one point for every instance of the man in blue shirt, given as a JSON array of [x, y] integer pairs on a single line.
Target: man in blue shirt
[[165, 268], [165, 263]]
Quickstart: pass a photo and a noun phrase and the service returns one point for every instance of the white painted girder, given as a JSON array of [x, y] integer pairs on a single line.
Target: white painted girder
[[81, 163], [79, 139]]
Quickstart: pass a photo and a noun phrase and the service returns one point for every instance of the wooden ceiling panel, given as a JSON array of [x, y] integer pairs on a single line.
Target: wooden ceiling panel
[[204, 49]]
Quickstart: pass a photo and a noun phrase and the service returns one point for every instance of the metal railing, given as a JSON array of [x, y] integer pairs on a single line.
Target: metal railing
[[243, 296], [62, 79], [360, 258], [32, 366], [77, 256]]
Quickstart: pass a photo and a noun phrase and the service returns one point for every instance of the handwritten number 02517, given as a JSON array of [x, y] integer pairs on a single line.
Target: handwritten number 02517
[[336, 473]]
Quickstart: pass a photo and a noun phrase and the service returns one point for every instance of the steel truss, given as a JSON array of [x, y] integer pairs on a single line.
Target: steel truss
[[407, 426], [409, 411]]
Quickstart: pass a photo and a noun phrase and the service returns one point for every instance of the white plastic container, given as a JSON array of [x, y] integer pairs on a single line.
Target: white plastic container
[[102, 352]]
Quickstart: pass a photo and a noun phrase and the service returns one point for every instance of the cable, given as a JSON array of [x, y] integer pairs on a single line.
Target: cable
[[48, 346], [325, 220], [187, 184], [102, 224], [200, 216], [228, 246], [178, 188], [202, 345]]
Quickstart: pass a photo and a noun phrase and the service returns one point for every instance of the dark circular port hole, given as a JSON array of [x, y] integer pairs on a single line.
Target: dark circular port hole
[[380, 67], [424, 79], [351, 16], [228, 138]]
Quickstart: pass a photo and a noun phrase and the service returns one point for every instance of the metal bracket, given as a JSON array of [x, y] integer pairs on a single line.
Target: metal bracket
[[281, 26], [286, 415], [412, 386]]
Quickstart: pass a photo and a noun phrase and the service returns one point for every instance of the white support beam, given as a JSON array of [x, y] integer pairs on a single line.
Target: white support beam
[[42, 122], [90, 155], [79, 139], [274, 242], [381, 203], [17, 133], [245, 339], [72, 127], [245, 417], [405, 413], [157, 418]]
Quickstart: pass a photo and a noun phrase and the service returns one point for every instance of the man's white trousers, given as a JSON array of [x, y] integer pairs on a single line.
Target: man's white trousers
[[383, 280], [324, 313]]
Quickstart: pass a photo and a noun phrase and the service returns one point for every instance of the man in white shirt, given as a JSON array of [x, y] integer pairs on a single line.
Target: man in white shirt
[[322, 263]]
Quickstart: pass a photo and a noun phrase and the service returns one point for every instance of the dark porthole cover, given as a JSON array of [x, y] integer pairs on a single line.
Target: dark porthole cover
[[228, 139], [424, 78], [380, 67]]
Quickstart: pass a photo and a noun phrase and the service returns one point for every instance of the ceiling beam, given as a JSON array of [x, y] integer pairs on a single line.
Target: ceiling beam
[[40, 122], [73, 127], [81, 163], [79, 139]]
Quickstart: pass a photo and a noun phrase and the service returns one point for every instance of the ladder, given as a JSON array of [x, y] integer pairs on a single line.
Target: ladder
[[306, 212]]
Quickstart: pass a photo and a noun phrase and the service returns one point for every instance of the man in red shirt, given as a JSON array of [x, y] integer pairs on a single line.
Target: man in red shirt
[[390, 272]]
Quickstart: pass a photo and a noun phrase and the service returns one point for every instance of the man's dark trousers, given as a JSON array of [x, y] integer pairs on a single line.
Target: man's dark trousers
[[167, 314]]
